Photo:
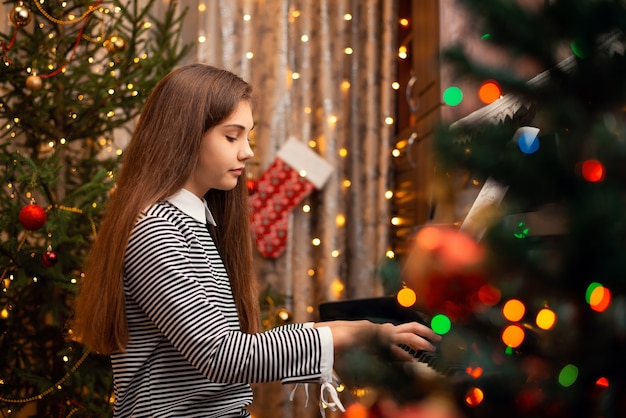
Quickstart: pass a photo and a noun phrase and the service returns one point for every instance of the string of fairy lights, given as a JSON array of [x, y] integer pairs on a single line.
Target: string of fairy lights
[[204, 9]]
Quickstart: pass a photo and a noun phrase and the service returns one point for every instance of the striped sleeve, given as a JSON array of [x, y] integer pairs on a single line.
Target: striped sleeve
[[172, 279], [292, 326]]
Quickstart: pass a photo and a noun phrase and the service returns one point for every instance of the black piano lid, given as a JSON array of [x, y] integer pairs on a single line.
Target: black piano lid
[[378, 309]]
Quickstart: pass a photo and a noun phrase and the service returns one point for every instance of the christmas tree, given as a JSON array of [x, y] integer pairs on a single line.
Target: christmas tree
[[73, 77], [546, 326], [529, 291]]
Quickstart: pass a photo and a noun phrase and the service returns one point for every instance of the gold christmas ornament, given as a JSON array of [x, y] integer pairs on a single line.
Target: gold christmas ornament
[[20, 15], [115, 44], [33, 83]]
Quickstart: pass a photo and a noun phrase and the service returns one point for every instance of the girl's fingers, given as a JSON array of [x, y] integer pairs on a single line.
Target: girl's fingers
[[419, 329], [416, 336], [417, 343]]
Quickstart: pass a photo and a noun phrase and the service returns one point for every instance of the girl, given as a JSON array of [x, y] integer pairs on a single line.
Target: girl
[[169, 292]]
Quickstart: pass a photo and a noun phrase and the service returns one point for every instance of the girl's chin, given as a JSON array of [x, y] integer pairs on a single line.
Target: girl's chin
[[226, 187]]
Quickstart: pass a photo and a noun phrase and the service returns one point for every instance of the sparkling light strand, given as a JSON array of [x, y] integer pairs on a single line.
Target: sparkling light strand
[[51, 388]]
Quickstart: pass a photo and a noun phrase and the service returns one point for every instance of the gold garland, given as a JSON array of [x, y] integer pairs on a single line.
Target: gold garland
[[72, 412], [69, 209], [50, 389], [64, 22]]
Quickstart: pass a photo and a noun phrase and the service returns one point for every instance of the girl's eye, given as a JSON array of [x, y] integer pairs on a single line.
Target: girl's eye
[[230, 138]]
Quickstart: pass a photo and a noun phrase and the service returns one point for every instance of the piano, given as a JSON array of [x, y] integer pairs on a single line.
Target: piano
[[455, 367]]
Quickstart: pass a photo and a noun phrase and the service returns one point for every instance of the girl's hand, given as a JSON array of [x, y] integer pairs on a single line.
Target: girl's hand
[[357, 334], [411, 334]]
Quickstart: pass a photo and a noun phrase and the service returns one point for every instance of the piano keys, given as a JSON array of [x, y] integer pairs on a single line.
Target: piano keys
[[454, 360]]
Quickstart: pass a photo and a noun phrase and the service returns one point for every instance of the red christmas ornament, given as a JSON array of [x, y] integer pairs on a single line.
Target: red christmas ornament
[[32, 217], [49, 258], [445, 269]]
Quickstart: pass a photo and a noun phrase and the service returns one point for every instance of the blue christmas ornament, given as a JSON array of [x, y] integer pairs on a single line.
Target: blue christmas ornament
[[527, 138]]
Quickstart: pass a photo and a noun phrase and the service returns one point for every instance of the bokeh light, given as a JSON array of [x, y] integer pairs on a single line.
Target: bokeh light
[[546, 318], [568, 375], [475, 372], [406, 297], [600, 298], [592, 286], [356, 410], [578, 49], [513, 310], [441, 324], [474, 396], [521, 231], [489, 92], [452, 96], [593, 171], [602, 382], [513, 336]]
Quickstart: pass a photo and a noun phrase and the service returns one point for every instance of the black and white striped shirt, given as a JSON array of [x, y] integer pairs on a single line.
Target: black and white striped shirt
[[186, 356]]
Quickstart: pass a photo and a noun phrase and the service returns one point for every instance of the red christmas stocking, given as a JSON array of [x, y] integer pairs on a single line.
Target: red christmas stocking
[[293, 175]]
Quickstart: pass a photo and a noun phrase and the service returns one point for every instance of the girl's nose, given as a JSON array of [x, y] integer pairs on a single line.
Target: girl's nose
[[246, 152]]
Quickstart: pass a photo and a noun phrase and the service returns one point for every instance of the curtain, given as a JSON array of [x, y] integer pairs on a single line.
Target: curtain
[[322, 72]]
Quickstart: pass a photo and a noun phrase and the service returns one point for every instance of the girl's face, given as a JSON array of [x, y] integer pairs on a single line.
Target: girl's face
[[224, 151]]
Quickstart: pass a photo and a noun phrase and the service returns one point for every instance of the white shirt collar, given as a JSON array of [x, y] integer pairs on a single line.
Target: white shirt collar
[[192, 205]]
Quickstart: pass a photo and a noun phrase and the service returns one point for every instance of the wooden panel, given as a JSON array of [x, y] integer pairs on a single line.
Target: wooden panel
[[414, 168]]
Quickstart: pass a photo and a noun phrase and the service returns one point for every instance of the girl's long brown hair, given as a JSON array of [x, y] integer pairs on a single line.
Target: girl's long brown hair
[[160, 157]]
